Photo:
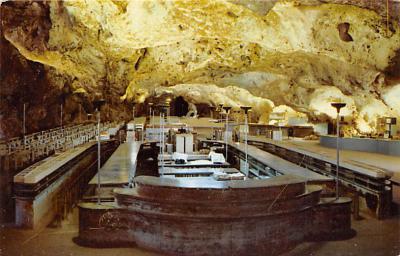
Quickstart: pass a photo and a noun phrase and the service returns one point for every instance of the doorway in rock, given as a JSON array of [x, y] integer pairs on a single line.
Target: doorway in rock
[[181, 106]]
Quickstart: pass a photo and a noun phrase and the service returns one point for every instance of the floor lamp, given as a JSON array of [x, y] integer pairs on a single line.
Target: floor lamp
[[227, 109], [98, 104], [246, 110], [338, 106]]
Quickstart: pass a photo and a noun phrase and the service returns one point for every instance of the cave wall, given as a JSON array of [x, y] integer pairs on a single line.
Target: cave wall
[[296, 55], [24, 81], [42, 88]]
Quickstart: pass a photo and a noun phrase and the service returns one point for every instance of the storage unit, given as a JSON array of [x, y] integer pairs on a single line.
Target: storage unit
[[184, 143]]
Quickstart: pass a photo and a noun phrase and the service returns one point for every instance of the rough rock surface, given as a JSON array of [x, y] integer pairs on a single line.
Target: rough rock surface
[[302, 54]]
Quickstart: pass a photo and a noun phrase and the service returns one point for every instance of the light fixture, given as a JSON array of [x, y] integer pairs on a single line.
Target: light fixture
[[24, 123], [211, 108], [338, 106], [151, 120], [220, 105], [227, 109], [246, 110], [98, 104], [80, 93], [167, 109], [163, 110], [133, 112]]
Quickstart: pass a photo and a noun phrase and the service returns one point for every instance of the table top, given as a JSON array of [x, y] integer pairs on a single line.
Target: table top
[[194, 163], [201, 170], [121, 166], [211, 183], [279, 164]]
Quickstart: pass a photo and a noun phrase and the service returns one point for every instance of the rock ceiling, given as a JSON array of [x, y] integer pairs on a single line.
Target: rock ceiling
[[302, 54]]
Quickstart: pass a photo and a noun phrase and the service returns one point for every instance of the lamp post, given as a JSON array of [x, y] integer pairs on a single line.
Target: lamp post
[[133, 110], [237, 134], [24, 123], [338, 106], [153, 117], [163, 110], [220, 105], [168, 109], [211, 108], [150, 116], [150, 106], [80, 113], [80, 96], [246, 110], [61, 126], [133, 121], [61, 114], [98, 104], [227, 109], [237, 112]]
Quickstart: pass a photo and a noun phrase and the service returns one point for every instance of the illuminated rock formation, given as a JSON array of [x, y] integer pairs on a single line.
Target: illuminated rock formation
[[302, 54]]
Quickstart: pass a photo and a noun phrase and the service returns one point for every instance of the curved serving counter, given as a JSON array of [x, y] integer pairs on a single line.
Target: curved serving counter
[[199, 216]]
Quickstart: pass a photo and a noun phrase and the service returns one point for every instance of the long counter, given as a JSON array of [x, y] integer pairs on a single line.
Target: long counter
[[263, 158], [40, 170], [380, 146], [120, 168], [50, 188], [355, 172], [326, 156]]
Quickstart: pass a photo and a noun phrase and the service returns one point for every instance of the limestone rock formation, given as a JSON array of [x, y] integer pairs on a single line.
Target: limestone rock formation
[[298, 54]]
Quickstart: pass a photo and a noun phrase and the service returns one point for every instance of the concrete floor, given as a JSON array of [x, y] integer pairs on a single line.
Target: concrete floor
[[374, 237]]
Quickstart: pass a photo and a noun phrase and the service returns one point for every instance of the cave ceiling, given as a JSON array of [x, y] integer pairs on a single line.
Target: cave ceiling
[[301, 54]]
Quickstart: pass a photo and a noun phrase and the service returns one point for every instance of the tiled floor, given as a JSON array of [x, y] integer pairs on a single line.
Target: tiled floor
[[374, 237]]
